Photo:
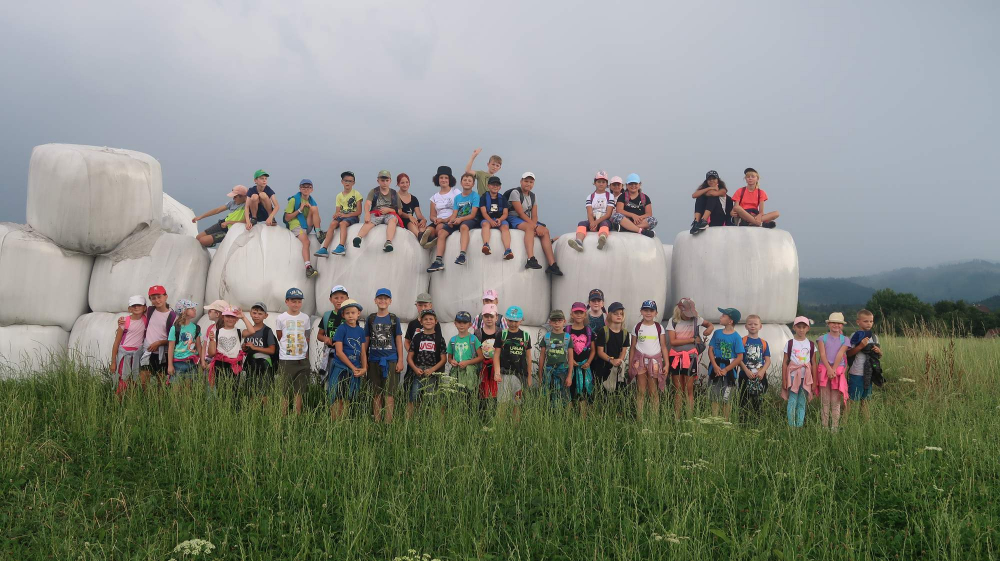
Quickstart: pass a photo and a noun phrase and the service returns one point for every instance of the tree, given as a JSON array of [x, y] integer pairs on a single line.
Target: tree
[[897, 310]]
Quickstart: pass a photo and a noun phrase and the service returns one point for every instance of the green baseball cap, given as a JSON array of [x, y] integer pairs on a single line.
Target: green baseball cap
[[385, 173], [259, 173]]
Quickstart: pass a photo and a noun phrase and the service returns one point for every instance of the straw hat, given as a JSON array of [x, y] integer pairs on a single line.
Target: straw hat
[[836, 317]]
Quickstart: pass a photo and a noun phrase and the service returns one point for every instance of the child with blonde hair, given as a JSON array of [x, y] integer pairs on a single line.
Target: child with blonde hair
[[748, 203], [184, 347], [831, 373], [647, 358], [687, 341]]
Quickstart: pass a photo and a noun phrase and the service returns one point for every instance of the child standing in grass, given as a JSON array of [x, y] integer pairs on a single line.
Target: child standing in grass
[[488, 333], [552, 363], [595, 313], [293, 328], [580, 379], [753, 367], [385, 357], [600, 208], [649, 347], [797, 372], [347, 365], [214, 313], [831, 374], [184, 347], [129, 343], [159, 318], [725, 352], [513, 360], [261, 346], [686, 343], [863, 351], [225, 346], [612, 343], [464, 354], [426, 360]]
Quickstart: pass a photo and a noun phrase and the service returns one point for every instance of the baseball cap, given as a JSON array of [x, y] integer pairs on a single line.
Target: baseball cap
[[218, 306], [305, 182], [464, 317], [615, 306], [490, 309], [260, 306], [802, 319], [136, 300], [157, 289], [712, 174], [733, 314], [490, 294], [428, 312], [338, 288], [748, 170], [351, 303], [514, 313], [601, 174], [687, 307], [615, 179], [257, 174], [184, 304], [238, 190], [648, 305], [230, 312], [384, 173], [383, 292], [556, 314], [527, 174], [346, 174], [578, 307], [294, 294], [493, 180], [424, 298], [596, 294], [633, 178]]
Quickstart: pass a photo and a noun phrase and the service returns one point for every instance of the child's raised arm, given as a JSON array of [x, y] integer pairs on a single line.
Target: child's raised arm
[[472, 160]]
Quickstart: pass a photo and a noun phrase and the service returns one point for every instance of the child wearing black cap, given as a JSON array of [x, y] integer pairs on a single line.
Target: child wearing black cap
[[612, 342], [595, 312], [426, 361], [494, 212], [712, 205]]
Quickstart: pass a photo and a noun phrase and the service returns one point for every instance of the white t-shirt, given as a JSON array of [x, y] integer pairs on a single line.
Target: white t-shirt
[[294, 342], [647, 340], [227, 342], [445, 204], [600, 202], [800, 352]]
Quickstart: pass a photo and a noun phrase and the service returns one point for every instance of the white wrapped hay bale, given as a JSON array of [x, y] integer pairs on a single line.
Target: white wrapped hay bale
[[755, 270], [92, 339], [460, 287], [448, 330], [88, 198], [40, 284], [668, 255], [631, 268], [150, 257], [259, 266], [29, 348], [176, 218], [776, 335]]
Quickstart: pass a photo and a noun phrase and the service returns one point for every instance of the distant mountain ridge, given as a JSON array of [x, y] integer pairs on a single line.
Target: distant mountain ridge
[[973, 281]]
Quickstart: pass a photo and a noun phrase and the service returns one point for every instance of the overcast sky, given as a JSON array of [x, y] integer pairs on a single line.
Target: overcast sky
[[873, 124]]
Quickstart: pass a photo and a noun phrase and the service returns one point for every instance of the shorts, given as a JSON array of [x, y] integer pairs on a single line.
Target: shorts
[[637, 358], [679, 370], [217, 231], [380, 383], [296, 229], [617, 218], [601, 224], [341, 384], [856, 388], [511, 388], [516, 221], [416, 386], [294, 375], [381, 218], [482, 224], [720, 388], [154, 365], [350, 220]]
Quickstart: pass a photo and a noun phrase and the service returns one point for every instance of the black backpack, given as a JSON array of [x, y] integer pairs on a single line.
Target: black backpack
[[506, 197]]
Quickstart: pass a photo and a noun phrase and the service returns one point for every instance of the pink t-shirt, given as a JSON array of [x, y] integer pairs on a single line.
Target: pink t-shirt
[[135, 334], [750, 200], [157, 328]]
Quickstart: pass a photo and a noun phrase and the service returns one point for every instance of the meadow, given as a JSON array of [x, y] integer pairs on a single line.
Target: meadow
[[86, 477]]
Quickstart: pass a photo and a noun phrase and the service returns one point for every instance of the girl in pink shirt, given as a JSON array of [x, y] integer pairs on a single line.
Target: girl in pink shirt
[[129, 343]]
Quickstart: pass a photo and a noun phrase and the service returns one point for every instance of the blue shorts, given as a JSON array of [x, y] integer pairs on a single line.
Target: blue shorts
[[503, 223], [856, 388], [516, 221], [350, 220], [472, 225], [341, 383]]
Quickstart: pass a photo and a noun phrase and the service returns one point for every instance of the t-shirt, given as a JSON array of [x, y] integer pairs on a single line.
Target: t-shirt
[[263, 338], [227, 342], [352, 338], [237, 212], [750, 200], [800, 352], [726, 346], [648, 341], [858, 366], [832, 345], [482, 181], [513, 352], [184, 345], [600, 202], [754, 354], [488, 342], [525, 200], [637, 205], [135, 335], [684, 329], [555, 348], [292, 206], [613, 346], [414, 326], [410, 207], [261, 211], [388, 200], [157, 328], [294, 342], [427, 349], [581, 343], [492, 207], [465, 203], [330, 326], [381, 339], [463, 348], [348, 202], [444, 204], [596, 322]]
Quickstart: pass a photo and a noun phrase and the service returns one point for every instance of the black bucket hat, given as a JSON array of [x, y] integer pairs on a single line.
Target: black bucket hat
[[445, 170]]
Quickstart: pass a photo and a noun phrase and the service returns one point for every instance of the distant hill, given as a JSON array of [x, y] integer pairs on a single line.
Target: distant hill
[[975, 281]]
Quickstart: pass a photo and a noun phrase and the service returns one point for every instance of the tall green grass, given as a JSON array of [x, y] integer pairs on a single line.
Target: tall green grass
[[85, 476]]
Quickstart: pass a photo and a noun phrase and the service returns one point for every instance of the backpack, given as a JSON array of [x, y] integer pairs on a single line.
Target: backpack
[[745, 337], [171, 318], [393, 321], [128, 322], [659, 330], [486, 200], [506, 197], [325, 322]]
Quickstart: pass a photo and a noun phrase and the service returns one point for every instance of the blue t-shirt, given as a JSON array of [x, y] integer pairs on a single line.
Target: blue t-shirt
[[382, 339], [464, 204], [858, 336], [492, 207], [754, 353], [352, 338], [726, 346]]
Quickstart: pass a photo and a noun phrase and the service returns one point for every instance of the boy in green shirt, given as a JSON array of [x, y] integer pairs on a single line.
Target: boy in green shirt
[[301, 216], [482, 177], [237, 213]]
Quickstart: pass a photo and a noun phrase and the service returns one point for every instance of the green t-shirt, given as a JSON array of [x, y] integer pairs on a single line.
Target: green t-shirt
[[555, 348], [184, 347], [348, 202], [294, 202], [463, 348], [481, 178]]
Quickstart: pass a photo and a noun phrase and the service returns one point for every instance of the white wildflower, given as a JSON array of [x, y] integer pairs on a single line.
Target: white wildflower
[[932, 449], [686, 434], [646, 431], [876, 456], [908, 380], [194, 548]]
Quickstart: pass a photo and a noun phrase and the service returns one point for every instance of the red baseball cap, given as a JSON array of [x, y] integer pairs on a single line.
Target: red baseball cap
[[157, 289]]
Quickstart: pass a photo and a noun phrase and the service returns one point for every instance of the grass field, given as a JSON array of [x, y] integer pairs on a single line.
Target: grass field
[[85, 477]]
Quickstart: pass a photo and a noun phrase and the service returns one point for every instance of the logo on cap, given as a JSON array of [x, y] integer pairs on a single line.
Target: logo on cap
[[157, 289], [648, 305], [294, 294], [464, 317]]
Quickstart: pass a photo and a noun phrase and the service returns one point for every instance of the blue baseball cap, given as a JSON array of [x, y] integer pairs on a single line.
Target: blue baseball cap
[[648, 305], [305, 182], [514, 313], [294, 294], [633, 178], [383, 292], [464, 317]]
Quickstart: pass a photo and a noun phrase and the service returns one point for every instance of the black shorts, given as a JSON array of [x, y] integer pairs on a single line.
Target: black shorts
[[155, 365], [217, 231]]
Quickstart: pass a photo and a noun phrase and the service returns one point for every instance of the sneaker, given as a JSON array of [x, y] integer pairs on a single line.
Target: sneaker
[[322, 252], [310, 272], [769, 224], [320, 236], [461, 259], [575, 244], [698, 227], [694, 227], [340, 250], [601, 241], [387, 246], [425, 237], [553, 269], [532, 263], [486, 249], [508, 254], [437, 265], [647, 233], [357, 242]]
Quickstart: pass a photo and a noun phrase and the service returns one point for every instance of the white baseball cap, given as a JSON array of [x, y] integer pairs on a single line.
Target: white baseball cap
[[527, 174], [338, 288], [137, 300]]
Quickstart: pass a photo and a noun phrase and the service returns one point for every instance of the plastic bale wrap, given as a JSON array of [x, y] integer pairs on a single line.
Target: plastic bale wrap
[[176, 218], [754, 270], [150, 257], [776, 335], [631, 268], [460, 287], [259, 266], [448, 330], [93, 337], [40, 284], [668, 255], [88, 198], [25, 349], [364, 270]]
